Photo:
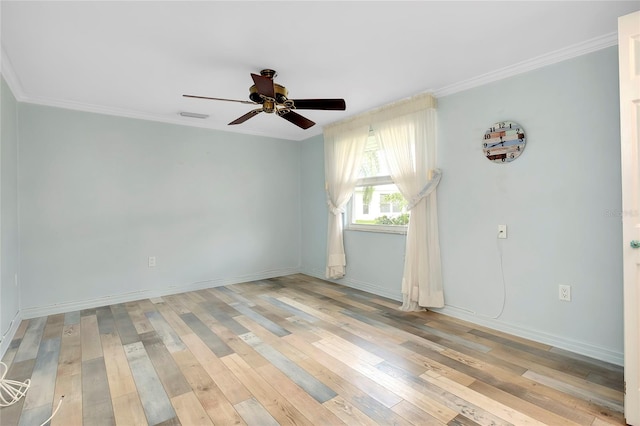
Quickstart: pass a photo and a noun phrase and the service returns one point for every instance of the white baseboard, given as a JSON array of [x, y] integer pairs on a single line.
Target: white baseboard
[[560, 342], [6, 341], [72, 306], [571, 345], [359, 285], [582, 348]]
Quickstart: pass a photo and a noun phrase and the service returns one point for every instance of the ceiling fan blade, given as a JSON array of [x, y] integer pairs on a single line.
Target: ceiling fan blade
[[264, 86], [247, 116], [326, 104], [220, 99], [296, 119]]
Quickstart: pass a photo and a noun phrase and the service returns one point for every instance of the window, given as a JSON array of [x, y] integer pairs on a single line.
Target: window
[[377, 204]]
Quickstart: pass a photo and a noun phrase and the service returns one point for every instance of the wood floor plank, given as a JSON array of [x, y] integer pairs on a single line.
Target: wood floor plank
[[156, 403], [190, 411], [90, 338], [95, 392], [292, 309], [254, 414], [173, 319], [238, 345], [494, 375], [310, 406], [128, 410], [522, 406], [279, 407], [43, 378], [139, 317], [347, 412], [440, 395], [119, 374], [504, 412], [71, 318], [53, 327], [170, 375], [70, 358], [296, 350], [165, 331], [572, 389], [35, 416], [31, 340], [230, 386], [415, 415], [370, 397], [306, 381], [403, 390], [264, 322], [106, 323], [126, 330], [70, 412], [213, 400], [213, 342]]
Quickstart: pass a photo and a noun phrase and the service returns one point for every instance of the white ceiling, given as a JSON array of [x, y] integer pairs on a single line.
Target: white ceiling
[[137, 58]]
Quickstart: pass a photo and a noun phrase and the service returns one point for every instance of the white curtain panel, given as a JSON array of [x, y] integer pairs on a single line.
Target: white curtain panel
[[409, 143], [343, 153]]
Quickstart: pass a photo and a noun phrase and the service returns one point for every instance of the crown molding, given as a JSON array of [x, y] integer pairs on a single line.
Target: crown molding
[[6, 68], [588, 46], [554, 57]]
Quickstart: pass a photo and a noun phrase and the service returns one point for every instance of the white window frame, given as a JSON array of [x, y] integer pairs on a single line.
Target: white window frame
[[388, 229]]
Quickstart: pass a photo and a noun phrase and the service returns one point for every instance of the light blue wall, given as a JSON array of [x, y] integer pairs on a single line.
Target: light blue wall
[[9, 242], [558, 200], [100, 194]]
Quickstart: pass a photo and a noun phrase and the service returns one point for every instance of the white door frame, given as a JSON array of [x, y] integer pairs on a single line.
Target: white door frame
[[629, 61]]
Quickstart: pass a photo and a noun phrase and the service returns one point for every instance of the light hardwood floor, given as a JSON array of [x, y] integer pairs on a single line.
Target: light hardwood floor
[[295, 350]]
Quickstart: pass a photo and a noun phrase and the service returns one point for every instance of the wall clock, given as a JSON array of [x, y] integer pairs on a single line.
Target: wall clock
[[503, 142]]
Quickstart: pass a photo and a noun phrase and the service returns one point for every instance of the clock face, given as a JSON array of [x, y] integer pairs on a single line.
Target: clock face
[[503, 142]]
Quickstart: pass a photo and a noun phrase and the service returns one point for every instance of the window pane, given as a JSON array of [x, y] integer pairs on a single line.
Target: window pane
[[379, 205], [374, 162]]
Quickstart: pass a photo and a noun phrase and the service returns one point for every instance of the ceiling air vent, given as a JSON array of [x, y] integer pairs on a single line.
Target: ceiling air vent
[[193, 115]]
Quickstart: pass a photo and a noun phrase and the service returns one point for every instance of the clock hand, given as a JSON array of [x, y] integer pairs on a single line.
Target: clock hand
[[497, 143]]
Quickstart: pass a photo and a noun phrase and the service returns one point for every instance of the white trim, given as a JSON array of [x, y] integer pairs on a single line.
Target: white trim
[[6, 68], [560, 55], [359, 285], [556, 56], [72, 306], [6, 341], [561, 342], [382, 229]]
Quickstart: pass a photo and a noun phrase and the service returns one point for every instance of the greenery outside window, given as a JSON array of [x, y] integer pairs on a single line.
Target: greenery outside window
[[377, 204]]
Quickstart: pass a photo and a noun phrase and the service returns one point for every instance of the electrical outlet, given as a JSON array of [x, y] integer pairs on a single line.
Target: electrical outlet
[[564, 292], [152, 261], [502, 231]]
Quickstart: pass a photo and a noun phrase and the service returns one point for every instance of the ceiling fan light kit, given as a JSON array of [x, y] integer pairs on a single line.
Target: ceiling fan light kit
[[273, 98]]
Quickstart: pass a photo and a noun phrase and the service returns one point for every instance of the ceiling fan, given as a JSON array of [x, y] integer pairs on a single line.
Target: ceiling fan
[[272, 98]]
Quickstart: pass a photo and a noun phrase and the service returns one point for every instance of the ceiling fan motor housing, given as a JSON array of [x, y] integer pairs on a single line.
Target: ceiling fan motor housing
[[280, 91]]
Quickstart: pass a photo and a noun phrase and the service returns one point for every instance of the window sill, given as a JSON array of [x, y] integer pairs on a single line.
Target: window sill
[[381, 229]]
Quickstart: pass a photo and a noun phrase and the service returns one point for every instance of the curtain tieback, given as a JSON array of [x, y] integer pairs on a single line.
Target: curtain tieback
[[332, 207], [428, 188]]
